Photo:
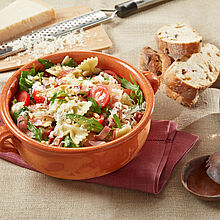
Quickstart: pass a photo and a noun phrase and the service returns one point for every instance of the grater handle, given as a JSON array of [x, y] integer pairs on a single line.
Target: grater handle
[[126, 8]]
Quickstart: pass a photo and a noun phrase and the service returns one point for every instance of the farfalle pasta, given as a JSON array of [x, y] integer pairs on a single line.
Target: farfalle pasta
[[76, 105]]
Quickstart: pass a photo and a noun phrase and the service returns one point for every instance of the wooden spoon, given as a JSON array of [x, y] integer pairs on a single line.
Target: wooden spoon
[[195, 179]]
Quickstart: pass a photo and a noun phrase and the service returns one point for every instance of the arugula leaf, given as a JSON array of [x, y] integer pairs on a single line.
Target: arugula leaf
[[94, 107], [70, 63], [117, 121], [90, 123], [58, 94], [68, 142], [32, 71], [38, 133], [134, 87], [17, 113], [46, 63]]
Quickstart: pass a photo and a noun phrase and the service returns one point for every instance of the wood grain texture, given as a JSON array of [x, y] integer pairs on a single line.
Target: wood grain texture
[[97, 40]]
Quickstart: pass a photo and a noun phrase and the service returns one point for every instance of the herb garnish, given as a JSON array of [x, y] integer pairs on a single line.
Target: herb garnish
[[94, 107], [134, 87], [38, 133], [117, 121], [70, 63], [58, 94], [17, 113], [89, 123], [68, 142], [46, 63]]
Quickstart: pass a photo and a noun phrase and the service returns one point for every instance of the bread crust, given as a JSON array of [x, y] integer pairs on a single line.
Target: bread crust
[[155, 62], [180, 99], [177, 49], [178, 89]]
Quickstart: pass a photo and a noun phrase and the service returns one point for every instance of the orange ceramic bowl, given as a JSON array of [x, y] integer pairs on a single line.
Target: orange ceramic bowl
[[76, 163]]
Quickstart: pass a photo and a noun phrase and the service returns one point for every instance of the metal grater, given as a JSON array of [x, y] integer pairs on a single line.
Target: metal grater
[[59, 29]]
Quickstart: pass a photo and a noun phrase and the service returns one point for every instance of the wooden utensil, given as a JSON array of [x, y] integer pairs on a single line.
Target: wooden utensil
[[195, 179]]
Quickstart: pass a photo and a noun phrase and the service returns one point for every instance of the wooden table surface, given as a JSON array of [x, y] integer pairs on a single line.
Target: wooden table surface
[[25, 194]]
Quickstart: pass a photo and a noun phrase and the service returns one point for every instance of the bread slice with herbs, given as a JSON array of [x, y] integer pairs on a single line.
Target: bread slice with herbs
[[189, 76], [178, 40], [153, 61]]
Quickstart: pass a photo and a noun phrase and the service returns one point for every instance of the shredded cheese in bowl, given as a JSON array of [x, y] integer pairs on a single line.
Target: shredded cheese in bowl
[[76, 105]]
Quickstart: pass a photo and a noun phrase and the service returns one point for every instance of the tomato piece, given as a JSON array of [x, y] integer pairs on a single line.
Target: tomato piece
[[47, 131], [101, 119], [23, 96], [38, 97], [100, 94]]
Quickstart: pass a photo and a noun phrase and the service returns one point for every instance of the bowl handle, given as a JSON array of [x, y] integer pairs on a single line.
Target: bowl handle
[[154, 81], [7, 140]]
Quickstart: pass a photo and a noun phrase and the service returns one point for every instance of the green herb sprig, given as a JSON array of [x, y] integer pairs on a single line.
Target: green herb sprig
[[38, 133], [117, 121], [46, 63], [89, 123], [68, 142], [94, 107], [134, 87]]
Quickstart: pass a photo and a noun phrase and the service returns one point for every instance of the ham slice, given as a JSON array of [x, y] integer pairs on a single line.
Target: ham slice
[[102, 135]]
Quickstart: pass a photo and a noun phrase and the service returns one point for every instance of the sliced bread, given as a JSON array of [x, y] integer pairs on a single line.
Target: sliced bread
[[153, 61], [178, 40], [189, 76]]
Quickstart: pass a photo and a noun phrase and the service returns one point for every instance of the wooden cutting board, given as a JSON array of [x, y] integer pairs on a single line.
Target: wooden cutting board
[[97, 39]]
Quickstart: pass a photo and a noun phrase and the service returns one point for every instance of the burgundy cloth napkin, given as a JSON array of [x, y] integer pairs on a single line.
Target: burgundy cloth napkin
[[150, 170]]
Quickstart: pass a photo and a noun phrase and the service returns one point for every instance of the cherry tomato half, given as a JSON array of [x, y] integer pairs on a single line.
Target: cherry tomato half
[[23, 96], [100, 94], [101, 119], [38, 97]]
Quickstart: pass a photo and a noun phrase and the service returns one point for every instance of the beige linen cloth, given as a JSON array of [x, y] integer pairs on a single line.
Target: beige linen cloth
[[29, 195]]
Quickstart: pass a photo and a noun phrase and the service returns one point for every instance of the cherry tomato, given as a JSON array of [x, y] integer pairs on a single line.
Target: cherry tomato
[[47, 131], [101, 119], [101, 95], [23, 96], [38, 97]]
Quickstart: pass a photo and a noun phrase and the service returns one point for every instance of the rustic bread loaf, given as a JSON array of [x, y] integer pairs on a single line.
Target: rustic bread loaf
[[153, 61], [189, 76], [178, 40]]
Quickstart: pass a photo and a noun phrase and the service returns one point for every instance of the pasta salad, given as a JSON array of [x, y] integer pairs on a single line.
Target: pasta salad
[[76, 105]]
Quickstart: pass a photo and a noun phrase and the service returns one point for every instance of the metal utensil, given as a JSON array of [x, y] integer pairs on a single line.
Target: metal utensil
[[81, 22]]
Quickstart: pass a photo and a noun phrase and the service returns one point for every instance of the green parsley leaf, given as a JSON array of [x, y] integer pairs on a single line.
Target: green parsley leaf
[[68, 142], [89, 123], [117, 121], [70, 63], [38, 133], [46, 63], [94, 107]]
